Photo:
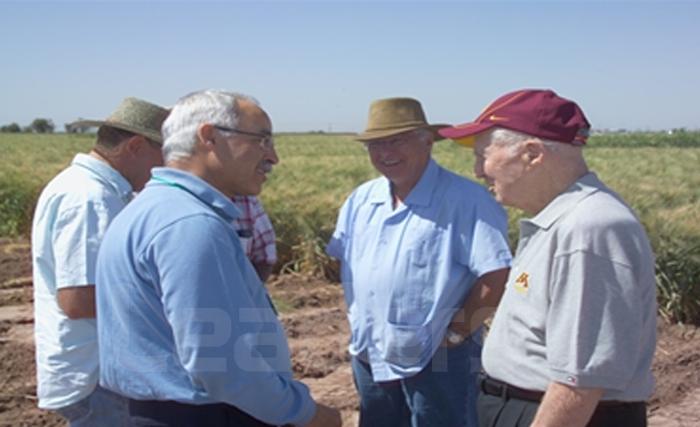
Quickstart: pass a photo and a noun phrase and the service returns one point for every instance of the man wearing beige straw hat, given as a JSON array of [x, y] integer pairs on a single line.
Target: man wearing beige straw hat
[[71, 217], [424, 256]]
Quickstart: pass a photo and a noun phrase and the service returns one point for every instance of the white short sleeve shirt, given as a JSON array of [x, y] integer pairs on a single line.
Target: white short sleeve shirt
[[71, 217]]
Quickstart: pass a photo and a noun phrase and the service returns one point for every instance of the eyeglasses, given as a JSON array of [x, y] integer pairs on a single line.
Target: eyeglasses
[[266, 141], [392, 143]]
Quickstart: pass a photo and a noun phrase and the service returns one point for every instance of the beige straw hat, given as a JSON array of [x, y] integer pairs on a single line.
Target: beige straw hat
[[134, 115], [392, 116]]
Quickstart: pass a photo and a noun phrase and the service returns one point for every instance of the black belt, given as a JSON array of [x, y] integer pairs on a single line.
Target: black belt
[[495, 387]]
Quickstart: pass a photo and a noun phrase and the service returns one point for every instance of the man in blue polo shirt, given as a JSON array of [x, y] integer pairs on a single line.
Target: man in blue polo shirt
[[424, 257], [186, 330]]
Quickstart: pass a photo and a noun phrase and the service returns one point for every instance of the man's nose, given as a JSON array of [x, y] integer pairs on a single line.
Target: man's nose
[[271, 156]]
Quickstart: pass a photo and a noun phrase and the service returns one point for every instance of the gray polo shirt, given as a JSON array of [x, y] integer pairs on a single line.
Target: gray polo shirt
[[580, 301]]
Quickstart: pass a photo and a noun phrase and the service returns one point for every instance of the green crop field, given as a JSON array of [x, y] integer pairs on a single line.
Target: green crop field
[[656, 173]]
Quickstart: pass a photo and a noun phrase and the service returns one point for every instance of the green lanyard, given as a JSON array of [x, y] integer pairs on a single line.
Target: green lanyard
[[170, 183], [174, 184]]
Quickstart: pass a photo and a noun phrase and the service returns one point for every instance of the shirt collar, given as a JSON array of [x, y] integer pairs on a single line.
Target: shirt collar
[[420, 195], [197, 187], [106, 173], [564, 202]]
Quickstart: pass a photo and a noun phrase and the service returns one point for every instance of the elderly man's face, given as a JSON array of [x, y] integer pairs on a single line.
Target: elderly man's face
[[246, 159], [401, 158], [502, 169]]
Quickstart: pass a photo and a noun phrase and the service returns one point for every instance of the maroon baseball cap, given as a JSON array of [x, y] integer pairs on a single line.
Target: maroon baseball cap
[[536, 112]]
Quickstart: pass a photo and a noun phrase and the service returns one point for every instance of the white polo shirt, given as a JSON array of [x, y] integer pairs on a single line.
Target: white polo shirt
[[580, 302], [71, 217]]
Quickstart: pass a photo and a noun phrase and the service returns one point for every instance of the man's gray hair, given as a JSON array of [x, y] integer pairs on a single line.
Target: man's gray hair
[[513, 139], [193, 110]]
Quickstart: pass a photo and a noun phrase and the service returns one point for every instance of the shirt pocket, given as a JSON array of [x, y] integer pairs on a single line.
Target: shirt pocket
[[404, 346], [413, 293], [423, 253]]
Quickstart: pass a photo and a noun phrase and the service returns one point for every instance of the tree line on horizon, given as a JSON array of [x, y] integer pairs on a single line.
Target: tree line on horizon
[[677, 137], [38, 125], [41, 125]]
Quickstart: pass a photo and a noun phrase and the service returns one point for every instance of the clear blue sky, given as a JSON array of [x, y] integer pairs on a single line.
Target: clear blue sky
[[318, 65]]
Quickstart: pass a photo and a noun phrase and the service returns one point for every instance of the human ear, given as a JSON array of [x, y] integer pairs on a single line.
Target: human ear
[[134, 145], [205, 136], [534, 150]]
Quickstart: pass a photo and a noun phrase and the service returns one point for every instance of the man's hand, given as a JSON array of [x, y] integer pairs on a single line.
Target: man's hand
[[563, 405], [263, 269], [481, 302], [325, 417], [452, 339]]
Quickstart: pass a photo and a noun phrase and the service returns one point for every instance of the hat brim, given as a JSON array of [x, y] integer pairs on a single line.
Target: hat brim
[[465, 130], [153, 136], [386, 133], [466, 141]]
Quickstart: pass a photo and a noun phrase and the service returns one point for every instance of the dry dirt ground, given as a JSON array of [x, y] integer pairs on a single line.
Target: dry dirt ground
[[313, 315]]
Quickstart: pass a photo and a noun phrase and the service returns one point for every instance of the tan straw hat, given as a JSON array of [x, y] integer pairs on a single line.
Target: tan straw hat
[[134, 115], [392, 116]]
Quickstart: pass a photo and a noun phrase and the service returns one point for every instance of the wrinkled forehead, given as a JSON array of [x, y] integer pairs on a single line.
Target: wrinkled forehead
[[250, 114]]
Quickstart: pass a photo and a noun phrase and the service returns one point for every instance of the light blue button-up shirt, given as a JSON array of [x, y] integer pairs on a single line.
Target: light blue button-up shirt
[[70, 219], [406, 271], [183, 315]]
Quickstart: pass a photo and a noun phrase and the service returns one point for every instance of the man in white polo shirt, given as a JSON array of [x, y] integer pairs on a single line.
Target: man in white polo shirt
[[574, 336], [71, 217]]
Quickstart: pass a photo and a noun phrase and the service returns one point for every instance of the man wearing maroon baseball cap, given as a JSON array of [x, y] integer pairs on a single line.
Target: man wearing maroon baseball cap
[[573, 338]]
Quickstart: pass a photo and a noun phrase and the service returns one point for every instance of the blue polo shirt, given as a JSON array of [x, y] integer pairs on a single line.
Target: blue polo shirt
[[183, 315], [406, 271]]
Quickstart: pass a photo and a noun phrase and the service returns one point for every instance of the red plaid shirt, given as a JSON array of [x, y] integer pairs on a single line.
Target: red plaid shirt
[[260, 246]]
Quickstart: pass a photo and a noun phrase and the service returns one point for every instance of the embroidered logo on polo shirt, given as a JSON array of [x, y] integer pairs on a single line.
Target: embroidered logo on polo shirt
[[521, 283]]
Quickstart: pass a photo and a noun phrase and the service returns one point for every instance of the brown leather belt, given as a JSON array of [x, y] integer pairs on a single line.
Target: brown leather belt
[[495, 387]]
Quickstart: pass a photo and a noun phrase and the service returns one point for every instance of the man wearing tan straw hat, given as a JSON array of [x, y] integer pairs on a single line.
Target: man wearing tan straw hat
[[71, 218], [573, 339], [424, 256], [187, 331]]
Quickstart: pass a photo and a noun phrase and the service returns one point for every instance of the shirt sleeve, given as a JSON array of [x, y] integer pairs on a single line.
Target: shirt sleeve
[[76, 239], [593, 328], [484, 239], [338, 242], [227, 339], [264, 247]]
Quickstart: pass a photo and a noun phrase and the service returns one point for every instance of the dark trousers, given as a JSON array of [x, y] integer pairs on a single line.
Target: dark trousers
[[496, 411], [158, 413]]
